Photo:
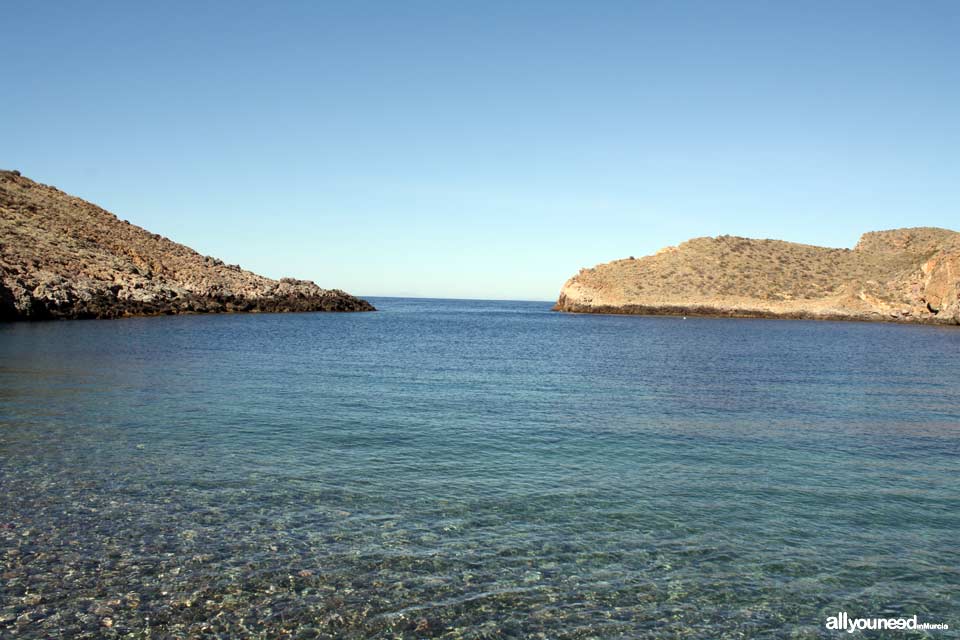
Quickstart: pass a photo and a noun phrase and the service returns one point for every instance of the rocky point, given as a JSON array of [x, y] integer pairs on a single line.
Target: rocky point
[[901, 275], [63, 257]]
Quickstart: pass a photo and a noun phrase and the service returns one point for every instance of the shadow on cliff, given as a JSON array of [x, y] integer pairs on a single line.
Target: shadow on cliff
[[8, 309]]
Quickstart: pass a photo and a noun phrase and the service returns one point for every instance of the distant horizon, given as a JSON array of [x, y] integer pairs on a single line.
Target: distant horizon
[[368, 296], [488, 151]]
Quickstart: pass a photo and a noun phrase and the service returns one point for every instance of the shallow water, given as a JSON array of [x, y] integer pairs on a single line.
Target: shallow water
[[476, 470]]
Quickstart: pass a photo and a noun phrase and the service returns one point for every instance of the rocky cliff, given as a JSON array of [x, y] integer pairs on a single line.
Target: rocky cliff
[[904, 275], [62, 257]]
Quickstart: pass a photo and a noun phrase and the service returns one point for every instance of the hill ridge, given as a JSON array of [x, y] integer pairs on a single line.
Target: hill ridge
[[64, 257], [905, 275]]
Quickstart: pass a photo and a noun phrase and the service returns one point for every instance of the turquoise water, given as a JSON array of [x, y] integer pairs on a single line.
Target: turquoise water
[[476, 470]]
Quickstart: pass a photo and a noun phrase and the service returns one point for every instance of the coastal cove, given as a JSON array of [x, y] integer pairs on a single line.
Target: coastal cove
[[663, 339], [475, 469]]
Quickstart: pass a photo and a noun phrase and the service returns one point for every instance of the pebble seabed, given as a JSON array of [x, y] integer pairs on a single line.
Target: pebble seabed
[[101, 560], [86, 562]]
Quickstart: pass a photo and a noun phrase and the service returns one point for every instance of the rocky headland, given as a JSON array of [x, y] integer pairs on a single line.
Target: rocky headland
[[63, 257], [901, 275]]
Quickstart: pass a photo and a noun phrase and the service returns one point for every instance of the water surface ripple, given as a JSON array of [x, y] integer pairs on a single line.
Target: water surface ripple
[[475, 470]]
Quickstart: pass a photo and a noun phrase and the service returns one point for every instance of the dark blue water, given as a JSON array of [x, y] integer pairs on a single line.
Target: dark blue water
[[475, 470]]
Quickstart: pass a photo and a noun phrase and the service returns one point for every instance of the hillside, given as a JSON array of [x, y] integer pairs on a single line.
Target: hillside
[[63, 257], [906, 275]]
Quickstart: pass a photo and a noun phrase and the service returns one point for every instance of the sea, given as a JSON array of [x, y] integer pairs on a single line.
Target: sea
[[476, 469]]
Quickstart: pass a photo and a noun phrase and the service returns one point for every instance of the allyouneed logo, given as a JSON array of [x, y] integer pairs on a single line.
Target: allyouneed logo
[[843, 622]]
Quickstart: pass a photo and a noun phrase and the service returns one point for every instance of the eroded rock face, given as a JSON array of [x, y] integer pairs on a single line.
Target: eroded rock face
[[63, 257], [902, 275]]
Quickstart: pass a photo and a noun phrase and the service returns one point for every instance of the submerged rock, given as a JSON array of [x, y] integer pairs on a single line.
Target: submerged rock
[[63, 257]]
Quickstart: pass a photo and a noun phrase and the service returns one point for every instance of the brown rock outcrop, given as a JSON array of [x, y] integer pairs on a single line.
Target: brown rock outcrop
[[902, 275], [63, 257]]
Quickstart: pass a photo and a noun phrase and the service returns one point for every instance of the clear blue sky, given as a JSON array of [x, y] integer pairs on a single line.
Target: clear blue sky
[[486, 149]]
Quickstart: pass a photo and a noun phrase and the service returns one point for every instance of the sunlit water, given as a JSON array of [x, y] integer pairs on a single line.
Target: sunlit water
[[475, 469]]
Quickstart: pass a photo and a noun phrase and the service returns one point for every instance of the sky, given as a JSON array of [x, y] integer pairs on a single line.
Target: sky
[[486, 149]]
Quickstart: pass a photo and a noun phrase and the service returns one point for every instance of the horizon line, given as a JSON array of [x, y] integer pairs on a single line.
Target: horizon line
[[368, 296]]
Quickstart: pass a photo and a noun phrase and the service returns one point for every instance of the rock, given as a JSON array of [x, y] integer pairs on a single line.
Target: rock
[[903, 275], [62, 257]]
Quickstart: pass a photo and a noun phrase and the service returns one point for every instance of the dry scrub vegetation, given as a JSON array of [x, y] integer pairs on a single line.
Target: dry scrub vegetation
[[885, 271], [63, 257]]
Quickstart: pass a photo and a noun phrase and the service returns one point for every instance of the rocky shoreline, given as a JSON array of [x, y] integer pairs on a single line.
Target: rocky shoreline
[[64, 258], [904, 275], [747, 314], [15, 305]]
